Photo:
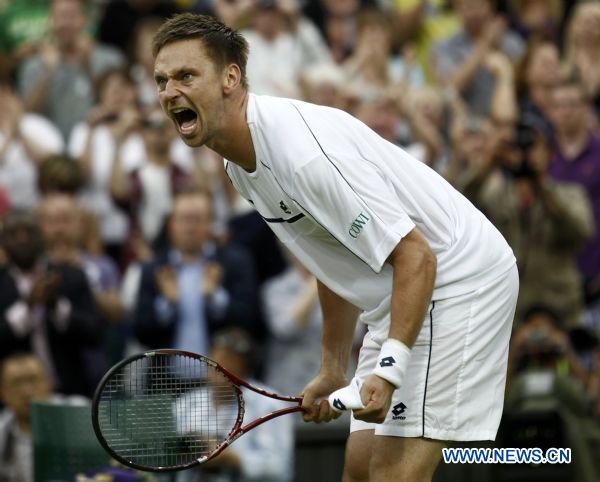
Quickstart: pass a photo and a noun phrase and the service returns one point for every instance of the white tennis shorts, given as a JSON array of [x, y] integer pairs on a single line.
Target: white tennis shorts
[[454, 384]]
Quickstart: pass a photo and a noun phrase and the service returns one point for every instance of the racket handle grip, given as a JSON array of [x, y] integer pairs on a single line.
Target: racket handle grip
[[347, 398]]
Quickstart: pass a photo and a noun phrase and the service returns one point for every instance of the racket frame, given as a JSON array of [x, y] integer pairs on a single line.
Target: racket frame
[[237, 430]]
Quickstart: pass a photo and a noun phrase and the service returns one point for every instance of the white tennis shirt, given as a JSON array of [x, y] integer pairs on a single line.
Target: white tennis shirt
[[341, 198]]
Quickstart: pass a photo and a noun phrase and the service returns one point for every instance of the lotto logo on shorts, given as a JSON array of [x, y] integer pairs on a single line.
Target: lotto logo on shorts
[[388, 361], [337, 403], [397, 411]]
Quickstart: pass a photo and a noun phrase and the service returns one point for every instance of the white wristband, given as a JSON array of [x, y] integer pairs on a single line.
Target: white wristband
[[392, 361]]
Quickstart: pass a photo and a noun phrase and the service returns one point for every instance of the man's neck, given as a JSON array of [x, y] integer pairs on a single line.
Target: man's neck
[[234, 141], [189, 256]]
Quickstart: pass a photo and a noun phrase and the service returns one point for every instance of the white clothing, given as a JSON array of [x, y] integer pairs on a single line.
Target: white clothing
[[157, 200], [341, 198], [454, 384], [287, 55], [18, 172], [113, 222]]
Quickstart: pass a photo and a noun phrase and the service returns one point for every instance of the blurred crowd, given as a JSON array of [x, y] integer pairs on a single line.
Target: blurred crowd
[[117, 237]]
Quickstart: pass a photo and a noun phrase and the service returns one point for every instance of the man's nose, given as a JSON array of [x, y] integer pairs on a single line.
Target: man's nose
[[170, 91]]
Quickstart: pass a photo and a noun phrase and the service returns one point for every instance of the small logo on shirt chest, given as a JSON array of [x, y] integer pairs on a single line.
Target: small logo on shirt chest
[[357, 225]]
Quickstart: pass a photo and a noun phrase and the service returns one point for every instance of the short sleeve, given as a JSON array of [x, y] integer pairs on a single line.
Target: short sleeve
[[352, 201]]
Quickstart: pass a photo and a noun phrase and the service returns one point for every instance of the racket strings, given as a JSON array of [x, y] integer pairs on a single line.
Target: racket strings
[[167, 410]]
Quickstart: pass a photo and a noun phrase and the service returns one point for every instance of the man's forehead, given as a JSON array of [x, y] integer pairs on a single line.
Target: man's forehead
[[187, 53]]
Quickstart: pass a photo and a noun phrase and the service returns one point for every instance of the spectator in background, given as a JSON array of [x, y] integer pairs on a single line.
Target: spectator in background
[[23, 25], [120, 19], [582, 49], [424, 23], [586, 344], [548, 390], [420, 119], [536, 19], [235, 13], [59, 174], [265, 454], [542, 341], [65, 226], [110, 127], [390, 118], [539, 71], [373, 67], [163, 165], [59, 80], [45, 307], [337, 21], [473, 145], [544, 222], [23, 380], [462, 61], [26, 139], [293, 313], [281, 40], [576, 158], [194, 287], [142, 62], [424, 110], [324, 84]]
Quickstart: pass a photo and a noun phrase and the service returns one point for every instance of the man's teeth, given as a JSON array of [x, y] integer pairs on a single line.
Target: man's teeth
[[179, 110]]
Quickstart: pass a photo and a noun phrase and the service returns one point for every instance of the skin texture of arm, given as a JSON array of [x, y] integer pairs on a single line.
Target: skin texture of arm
[[339, 323], [414, 274]]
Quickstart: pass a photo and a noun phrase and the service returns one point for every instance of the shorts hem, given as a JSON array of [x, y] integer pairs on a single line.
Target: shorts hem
[[450, 435]]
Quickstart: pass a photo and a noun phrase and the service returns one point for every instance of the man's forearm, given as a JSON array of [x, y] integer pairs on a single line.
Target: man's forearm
[[339, 323], [414, 276]]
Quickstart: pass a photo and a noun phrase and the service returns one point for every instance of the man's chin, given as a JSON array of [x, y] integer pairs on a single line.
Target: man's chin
[[195, 140]]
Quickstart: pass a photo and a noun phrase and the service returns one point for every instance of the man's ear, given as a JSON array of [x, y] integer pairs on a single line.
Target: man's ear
[[232, 78]]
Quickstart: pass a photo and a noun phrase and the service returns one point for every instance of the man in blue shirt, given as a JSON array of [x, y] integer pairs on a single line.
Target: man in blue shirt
[[195, 286]]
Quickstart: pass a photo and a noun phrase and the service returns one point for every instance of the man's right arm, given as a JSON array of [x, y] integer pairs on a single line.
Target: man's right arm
[[339, 323]]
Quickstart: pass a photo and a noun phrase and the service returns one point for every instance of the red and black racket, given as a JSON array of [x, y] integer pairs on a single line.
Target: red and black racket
[[169, 410]]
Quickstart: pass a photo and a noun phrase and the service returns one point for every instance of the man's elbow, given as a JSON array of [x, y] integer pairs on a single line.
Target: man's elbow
[[415, 254], [426, 261]]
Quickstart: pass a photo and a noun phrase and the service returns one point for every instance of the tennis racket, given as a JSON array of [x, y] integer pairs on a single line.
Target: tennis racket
[[168, 410]]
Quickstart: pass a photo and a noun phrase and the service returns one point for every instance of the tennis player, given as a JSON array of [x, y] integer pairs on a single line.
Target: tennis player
[[389, 240]]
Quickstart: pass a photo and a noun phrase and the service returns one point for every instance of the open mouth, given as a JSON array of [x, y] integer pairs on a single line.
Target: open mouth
[[186, 119]]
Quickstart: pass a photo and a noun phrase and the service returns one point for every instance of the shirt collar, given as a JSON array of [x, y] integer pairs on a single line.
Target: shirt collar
[[208, 253]]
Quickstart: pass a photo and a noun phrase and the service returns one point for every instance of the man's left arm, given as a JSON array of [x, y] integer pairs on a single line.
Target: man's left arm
[[414, 266]]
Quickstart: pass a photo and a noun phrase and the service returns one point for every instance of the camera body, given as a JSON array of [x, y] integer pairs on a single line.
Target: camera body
[[524, 139]]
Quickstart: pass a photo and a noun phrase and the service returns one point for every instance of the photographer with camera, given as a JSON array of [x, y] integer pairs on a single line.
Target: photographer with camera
[[545, 222]]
